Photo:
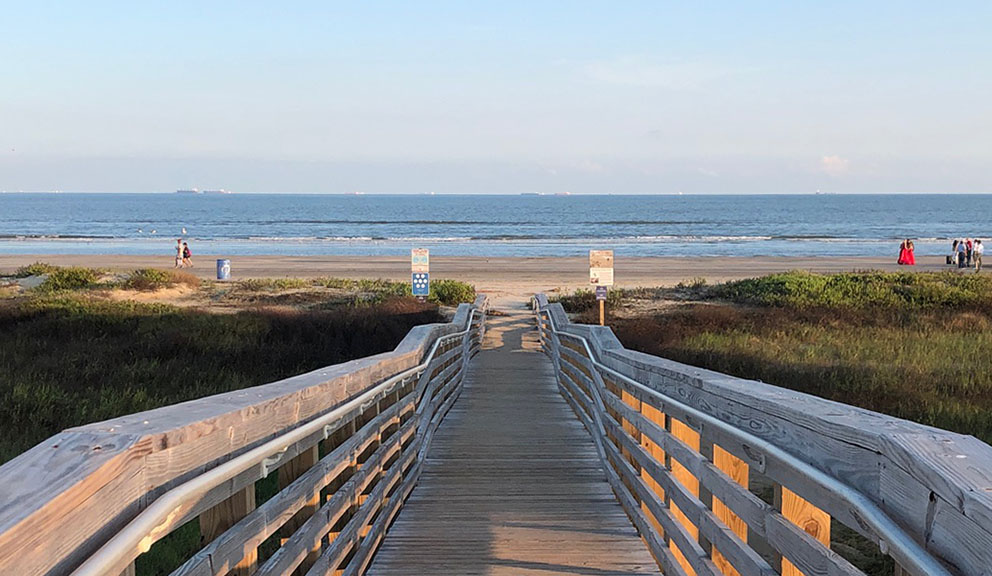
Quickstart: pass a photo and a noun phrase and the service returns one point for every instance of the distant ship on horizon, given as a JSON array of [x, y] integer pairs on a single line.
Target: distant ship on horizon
[[198, 191]]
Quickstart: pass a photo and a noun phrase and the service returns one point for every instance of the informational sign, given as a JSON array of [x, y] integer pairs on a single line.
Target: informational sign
[[420, 260], [421, 282], [600, 293], [601, 267]]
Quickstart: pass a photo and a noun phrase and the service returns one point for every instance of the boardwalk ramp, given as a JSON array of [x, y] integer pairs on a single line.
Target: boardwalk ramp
[[513, 484]]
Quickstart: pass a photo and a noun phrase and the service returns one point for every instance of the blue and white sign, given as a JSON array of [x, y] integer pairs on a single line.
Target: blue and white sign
[[421, 282]]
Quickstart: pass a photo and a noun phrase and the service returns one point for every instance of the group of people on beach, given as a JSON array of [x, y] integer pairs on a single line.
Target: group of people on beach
[[966, 253], [184, 258]]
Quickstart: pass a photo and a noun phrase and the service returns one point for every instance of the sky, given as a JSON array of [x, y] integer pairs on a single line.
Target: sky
[[459, 97]]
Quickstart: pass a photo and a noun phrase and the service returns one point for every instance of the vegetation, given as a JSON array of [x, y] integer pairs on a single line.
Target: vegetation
[[443, 292], [71, 278], [148, 279], [913, 345], [72, 353], [905, 292], [584, 301], [36, 269]]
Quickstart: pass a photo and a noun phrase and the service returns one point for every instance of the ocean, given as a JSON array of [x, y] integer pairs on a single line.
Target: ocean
[[469, 225]]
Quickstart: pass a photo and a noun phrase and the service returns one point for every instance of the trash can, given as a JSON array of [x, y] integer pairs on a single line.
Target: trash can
[[224, 269]]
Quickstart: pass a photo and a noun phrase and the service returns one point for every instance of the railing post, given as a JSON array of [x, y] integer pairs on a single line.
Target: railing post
[[811, 519], [658, 417], [738, 471], [289, 472], [215, 521], [690, 438]]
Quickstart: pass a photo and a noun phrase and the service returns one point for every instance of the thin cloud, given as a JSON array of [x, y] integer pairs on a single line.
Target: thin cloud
[[643, 72], [835, 165]]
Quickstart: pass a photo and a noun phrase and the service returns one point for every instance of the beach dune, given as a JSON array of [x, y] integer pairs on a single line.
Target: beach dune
[[495, 275]]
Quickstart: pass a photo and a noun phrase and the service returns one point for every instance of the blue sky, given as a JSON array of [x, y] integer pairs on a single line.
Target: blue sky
[[635, 97]]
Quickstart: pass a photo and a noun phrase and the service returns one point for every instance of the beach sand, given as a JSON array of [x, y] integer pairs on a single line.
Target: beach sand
[[495, 276]]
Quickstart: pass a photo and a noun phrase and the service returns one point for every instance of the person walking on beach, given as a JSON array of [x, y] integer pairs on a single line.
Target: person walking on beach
[[977, 255], [961, 254], [187, 256], [179, 253], [968, 247]]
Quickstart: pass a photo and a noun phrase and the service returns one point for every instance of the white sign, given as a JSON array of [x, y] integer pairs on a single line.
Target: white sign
[[420, 260], [601, 267]]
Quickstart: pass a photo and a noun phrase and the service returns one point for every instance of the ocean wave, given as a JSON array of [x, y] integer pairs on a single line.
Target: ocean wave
[[493, 238]]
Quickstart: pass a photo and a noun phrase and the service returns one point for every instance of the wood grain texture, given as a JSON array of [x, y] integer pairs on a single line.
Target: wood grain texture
[[737, 470], [512, 483], [684, 476], [62, 499], [908, 470], [809, 518], [221, 517]]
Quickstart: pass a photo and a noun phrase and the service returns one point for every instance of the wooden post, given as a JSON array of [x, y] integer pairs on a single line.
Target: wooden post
[[658, 417], [737, 469], [289, 472], [682, 474], [215, 521], [811, 519], [602, 313]]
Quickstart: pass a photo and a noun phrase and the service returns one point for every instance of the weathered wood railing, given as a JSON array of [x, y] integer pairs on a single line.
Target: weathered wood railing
[[729, 476], [346, 442]]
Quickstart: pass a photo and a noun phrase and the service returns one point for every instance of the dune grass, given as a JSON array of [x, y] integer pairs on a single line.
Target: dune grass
[[914, 345], [66, 360]]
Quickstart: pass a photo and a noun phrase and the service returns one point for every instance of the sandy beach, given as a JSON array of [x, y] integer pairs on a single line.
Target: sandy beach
[[491, 275]]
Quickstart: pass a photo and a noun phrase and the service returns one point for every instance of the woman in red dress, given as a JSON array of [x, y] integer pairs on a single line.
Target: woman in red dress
[[906, 256]]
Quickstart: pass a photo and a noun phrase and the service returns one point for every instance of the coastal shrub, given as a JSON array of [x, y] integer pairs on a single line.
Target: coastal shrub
[[71, 278], [36, 269], [155, 279], [451, 292], [583, 301], [271, 284], [896, 291], [335, 283]]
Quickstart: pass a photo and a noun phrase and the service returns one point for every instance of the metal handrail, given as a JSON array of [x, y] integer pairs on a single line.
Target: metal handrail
[[910, 554], [141, 532]]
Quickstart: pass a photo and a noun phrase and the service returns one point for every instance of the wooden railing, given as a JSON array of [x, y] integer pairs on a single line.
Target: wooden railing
[[346, 442], [729, 476]]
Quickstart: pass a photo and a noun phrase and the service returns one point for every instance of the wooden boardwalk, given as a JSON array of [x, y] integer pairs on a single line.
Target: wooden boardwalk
[[513, 484]]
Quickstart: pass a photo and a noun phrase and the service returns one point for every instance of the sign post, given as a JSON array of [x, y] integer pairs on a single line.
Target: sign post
[[420, 272], [601, 276]]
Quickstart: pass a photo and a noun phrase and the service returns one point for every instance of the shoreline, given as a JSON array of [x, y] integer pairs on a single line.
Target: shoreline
[[510, 275]]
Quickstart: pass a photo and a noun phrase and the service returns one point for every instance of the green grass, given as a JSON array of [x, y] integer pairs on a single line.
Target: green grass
[[368, 291], [584, 301], [36, 269], [908, 291], [71, 278], [66, 359], [155, 279]]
